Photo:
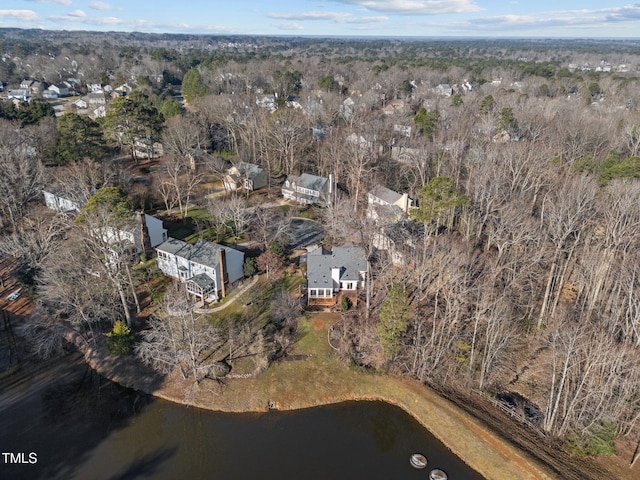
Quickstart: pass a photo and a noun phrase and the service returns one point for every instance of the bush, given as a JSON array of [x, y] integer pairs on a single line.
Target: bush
[[250, 267], [345, 304], [597, 440], [120, 339]]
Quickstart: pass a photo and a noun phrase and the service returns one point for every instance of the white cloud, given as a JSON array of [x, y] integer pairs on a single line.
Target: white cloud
[[108, 21], [415, 7], [336, 17], [100, 6], [59, 2], [288, 26], [554, 19], [23, 15], [81, 17]]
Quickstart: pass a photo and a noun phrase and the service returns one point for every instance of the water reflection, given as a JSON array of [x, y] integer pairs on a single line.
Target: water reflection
[[83, 427]]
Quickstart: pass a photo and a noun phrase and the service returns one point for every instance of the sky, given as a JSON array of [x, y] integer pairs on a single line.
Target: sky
[[391, 18]]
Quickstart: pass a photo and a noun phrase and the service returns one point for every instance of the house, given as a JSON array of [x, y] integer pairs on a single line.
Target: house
[[19, 94], [409, 154], [404, 130], [308, 189], [270, 102], [124, 89], [59, 90], [335, 274], [387, 206], [95, 99], [62, 201], [147, 148], [394, 106], [399, 239], [347, 108], [205, 267], [49, 95], [26, 84], [246, 176], [81, 103], [443, 90], [99, 112], [144, 236], [293, 102]]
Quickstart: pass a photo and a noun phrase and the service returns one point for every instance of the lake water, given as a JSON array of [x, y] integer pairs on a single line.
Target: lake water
[[81, 426]]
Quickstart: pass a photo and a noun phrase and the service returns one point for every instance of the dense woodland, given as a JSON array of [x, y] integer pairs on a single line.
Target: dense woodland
[[524, 282]]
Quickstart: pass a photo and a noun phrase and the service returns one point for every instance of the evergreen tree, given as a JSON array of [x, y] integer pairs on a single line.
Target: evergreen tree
[[193, 86], [78, 137], [395, 314]]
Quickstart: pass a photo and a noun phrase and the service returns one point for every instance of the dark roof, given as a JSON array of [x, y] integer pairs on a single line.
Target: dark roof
[[312, 182], [350, 259], [202, 252], [202, 280], [405, 232]]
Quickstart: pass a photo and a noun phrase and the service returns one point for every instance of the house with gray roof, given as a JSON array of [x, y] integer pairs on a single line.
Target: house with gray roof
[[386, 206], [332, 274], [308, 189], [400, 240], [206, 268], [247, 176]]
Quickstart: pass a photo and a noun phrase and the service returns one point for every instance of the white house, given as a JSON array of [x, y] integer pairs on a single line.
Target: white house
[[154, 226], [59, 90], [61, 202], [20, 94], [81, 103], [336, 273], [205, 267], [146, 148], [308, 189]]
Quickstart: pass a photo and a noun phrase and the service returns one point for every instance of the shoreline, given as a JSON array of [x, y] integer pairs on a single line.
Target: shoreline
[[472, 442]]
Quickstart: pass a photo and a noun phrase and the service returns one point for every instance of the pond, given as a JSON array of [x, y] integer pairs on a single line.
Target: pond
[[77, 425]]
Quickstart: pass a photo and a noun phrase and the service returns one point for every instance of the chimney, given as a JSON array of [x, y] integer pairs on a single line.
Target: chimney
[[405, 202], [223, 272], [332, 188], [145, 240]]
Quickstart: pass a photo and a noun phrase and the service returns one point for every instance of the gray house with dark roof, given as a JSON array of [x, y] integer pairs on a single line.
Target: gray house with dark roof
[[335, 273], [205, 267], [308, 189]]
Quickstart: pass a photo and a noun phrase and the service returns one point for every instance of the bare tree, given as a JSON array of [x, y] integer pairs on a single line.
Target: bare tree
[[565, 213], [22, 175], [182, 340], [183, 135], [178, 182]]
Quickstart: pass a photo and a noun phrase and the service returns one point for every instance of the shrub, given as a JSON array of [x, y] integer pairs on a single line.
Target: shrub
[[345, 303], [596, 440], [120, 339]]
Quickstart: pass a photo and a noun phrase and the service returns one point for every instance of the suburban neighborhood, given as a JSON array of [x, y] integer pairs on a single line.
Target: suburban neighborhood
[[281, 222]]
